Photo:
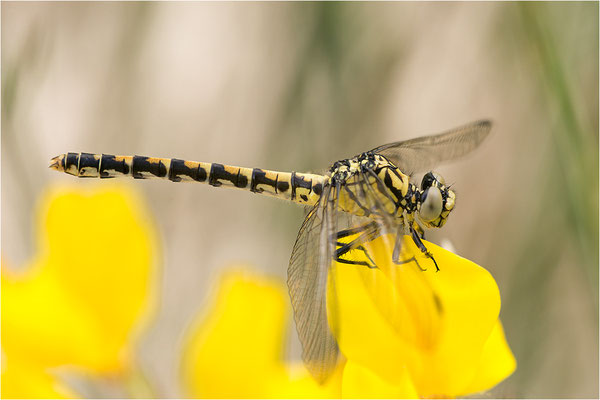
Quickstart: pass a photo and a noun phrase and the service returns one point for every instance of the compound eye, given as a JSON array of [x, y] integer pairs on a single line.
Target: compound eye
[[439, 178], [431, 177], [427, 180], [431, 204]]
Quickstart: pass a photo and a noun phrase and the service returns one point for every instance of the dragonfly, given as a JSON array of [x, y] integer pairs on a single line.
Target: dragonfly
[[356, 201]]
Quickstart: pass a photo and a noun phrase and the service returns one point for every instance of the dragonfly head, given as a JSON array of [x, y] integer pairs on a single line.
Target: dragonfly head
[[435, 202]]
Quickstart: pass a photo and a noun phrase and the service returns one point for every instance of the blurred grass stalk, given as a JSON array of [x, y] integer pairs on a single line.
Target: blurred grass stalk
[[575, 143], [562, 230]]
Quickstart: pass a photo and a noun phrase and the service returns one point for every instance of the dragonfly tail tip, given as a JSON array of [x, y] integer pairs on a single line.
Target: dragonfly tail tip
[[56, 163]]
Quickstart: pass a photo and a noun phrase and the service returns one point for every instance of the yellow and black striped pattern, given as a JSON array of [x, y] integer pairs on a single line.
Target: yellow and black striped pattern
[[384, 189], [297, 187]]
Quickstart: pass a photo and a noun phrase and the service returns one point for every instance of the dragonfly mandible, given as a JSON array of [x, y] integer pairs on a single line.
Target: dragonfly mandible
[[361, 198]]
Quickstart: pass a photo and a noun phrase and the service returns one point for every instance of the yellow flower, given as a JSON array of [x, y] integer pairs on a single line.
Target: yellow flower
[[408, 332], [20, 380], [237, 349], [405, 333], [82, 300], [402, 332]]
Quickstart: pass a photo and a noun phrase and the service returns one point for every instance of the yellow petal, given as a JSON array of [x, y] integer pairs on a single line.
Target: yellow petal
[[236, 351], [396, 317], [360, 383], [297, 383], [84, 296], [21, 381], [496, 364]]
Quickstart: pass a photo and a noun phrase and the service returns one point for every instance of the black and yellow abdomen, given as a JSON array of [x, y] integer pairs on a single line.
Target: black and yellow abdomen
[[293, 186]]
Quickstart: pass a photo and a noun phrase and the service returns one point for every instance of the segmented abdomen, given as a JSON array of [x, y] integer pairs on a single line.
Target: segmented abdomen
[[298, 187]]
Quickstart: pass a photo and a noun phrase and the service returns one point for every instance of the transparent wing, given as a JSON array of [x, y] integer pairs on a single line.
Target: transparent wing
[[307, 283], [425, 153]]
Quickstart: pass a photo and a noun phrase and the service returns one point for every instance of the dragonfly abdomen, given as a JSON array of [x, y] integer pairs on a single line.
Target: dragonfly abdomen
[[294, 186]]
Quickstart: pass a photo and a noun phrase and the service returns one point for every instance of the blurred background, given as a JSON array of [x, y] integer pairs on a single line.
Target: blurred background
[[296, 86]]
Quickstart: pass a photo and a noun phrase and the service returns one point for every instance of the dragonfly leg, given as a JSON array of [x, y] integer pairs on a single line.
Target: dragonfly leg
[[369, 232], [417, 240], [396, 253], [355, 230], [419, 230], [346, 248], [421, 246]]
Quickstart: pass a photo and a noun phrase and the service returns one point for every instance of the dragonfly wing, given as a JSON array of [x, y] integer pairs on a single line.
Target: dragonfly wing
[[425, 153], [307, 283]]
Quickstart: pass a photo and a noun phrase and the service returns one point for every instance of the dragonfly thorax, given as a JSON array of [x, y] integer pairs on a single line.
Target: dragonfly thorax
[[343, 170], [370, 185]]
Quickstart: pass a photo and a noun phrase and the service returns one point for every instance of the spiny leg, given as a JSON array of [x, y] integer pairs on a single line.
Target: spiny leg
[[421, 246], [358, 229], [367, 232], [417, 240], [396, 253], [342, 251], [419, 230]]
